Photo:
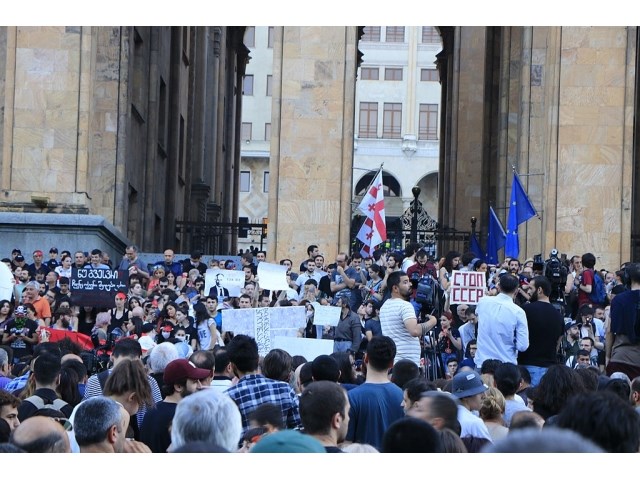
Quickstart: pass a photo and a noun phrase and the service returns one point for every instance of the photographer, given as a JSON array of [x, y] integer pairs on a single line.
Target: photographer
[[399, 320], [592, 328], [418, 271]]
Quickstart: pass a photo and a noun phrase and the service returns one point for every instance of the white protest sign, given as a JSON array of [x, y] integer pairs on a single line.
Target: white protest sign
[[325, 314], [272, 276], [6, 282], [467, 287], [309, 348], [232, 280], [264, 324]]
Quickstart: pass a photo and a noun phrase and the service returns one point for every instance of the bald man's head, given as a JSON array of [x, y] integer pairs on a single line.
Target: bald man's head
[[41, 435]]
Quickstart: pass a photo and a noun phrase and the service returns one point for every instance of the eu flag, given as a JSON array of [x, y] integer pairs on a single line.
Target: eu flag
[[495, 239], [520, 210], [474, 246]]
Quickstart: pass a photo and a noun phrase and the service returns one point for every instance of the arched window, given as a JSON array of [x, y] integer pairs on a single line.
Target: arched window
[[391, 187]]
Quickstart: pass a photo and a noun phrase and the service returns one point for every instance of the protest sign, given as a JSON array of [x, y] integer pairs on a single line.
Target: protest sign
[[93, 287], [325, 314], [467, 287], [6, 282], [232, 280], [264, 324], [272, 276], [309, 348]]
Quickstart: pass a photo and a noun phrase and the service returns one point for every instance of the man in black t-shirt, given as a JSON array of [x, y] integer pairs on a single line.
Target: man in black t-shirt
[[20, 334], [546, 327]]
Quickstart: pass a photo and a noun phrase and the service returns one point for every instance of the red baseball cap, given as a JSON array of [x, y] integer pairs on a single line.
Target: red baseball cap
[[182, 369]]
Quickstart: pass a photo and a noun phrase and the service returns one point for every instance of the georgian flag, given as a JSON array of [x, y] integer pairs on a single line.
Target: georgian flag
[[374, 229]]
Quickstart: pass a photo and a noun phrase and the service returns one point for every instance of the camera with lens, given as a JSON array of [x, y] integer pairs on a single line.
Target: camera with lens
[[556, 272], [427, 291]]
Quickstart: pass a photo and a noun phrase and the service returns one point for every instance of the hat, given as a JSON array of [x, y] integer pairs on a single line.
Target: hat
[[467, 384], [16, 250], [19, 258], [21, 310], [287, 441], [53, 250], [121, 295], [146, 342], [568, 325], [167, 328], [182, 369], [196, 254]]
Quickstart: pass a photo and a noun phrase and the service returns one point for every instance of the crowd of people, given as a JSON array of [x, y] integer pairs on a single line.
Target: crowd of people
[[548, 354]]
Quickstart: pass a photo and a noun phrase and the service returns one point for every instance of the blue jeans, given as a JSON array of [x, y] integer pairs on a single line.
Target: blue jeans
[[341, 346], [536, 373]]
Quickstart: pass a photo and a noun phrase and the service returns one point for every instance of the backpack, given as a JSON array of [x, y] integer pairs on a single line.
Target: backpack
[[598, 293], [58, 404]]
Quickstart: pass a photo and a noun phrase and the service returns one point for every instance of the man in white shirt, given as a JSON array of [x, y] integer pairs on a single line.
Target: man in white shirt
[[398, 319], [502, 325], [469, 389]]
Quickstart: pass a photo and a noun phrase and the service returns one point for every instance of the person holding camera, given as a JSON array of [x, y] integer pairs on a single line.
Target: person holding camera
[[399, 320]]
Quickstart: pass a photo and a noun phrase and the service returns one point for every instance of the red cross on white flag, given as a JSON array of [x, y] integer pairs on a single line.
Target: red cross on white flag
[[374, 228]]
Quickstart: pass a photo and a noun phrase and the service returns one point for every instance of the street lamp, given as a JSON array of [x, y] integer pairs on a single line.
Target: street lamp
[[414, 211]]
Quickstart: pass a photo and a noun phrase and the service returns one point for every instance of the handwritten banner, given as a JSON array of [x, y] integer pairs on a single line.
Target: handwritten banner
[[97, 287], [264, 324], [467, 287]]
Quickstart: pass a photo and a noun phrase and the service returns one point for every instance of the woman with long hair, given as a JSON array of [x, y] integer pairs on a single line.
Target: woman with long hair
[[172, 282], [120, 312], [64, 269], [134, 302], [451, 261], [132, 327], [374, 284], [346, 363], [6, 311], [167, 322], [128, 385], [158, 272]]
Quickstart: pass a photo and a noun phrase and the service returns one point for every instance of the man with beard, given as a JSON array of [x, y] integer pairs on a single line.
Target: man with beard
[[546, 327], [181, 378], [571, 340], [398, 319]]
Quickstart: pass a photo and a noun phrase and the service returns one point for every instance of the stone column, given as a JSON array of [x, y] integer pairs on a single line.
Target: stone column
[[314, 71]]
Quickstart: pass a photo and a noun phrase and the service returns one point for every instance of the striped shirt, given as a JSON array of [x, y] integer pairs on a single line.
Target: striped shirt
[[393, 315]]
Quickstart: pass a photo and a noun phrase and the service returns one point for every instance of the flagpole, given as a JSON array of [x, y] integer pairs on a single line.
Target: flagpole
[[515, 172]]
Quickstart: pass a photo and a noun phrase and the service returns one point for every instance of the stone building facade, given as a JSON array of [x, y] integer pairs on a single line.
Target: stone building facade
[[135, 127], [558, 105]]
